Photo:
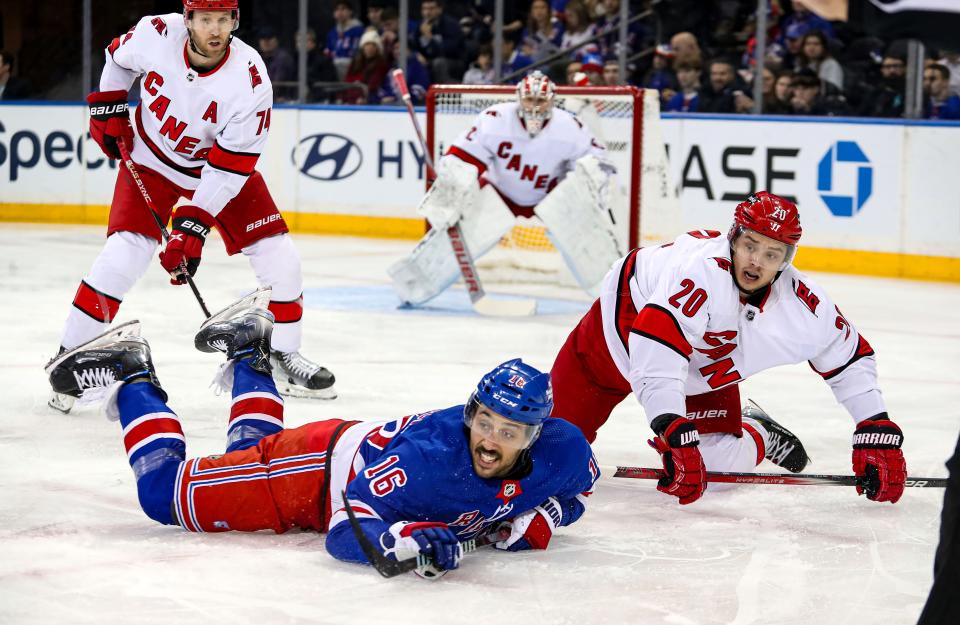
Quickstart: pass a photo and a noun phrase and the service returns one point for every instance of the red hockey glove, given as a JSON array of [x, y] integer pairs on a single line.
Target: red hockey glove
[[110, 120], [677, 443], [191, 225], [534, 528], [404, 540], [877, 459]]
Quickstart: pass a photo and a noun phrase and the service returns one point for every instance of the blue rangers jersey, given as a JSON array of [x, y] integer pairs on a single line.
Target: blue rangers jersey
[[419, 468]]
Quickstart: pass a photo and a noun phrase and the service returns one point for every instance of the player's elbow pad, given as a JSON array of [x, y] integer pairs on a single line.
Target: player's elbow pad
[[342, 544]]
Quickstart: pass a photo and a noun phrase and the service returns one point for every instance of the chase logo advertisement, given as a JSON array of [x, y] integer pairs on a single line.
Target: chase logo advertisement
[[327, 157], [845, 178]]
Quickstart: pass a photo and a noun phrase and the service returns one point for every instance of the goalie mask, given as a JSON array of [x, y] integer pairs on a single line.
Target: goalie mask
[[535, 96]]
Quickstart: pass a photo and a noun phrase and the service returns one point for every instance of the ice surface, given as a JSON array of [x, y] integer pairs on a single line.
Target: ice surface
[[75, 547]]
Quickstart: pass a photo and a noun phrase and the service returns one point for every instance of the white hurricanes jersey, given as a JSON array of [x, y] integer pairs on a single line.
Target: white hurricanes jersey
[[201, 130], [675, 326], [521, 167]]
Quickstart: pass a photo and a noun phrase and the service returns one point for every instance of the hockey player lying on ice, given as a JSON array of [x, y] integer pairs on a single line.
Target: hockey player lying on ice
[[417, 484], [682, 324], [530, 158], [202, 123]]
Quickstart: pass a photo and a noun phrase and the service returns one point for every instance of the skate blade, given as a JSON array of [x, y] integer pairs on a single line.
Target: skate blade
[[259, 299], [122, 331], [60, 402], [292, 390]]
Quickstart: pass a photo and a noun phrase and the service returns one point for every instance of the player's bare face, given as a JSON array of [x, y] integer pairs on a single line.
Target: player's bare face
[[756, 260], [210, 33], [495, 442]]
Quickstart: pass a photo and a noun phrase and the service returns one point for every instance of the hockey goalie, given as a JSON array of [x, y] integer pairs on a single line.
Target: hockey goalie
[[522, 158]]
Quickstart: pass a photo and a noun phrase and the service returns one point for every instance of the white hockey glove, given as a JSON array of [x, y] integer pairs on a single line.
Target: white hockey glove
[[534, 528], [452, 195]]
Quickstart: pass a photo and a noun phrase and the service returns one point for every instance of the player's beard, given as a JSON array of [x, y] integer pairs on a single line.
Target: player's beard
[[207, 52], [498, 459]]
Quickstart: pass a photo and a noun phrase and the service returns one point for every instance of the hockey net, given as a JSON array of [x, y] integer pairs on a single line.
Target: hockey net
[[625, 119]]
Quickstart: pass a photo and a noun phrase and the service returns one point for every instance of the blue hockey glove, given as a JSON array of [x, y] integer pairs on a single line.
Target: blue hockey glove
[[405, 540]]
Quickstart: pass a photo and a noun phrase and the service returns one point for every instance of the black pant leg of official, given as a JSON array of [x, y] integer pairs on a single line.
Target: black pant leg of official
[[943, 604]]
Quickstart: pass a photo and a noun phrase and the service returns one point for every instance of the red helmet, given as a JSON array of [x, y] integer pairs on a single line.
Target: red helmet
[[213, 5], [769, 215]]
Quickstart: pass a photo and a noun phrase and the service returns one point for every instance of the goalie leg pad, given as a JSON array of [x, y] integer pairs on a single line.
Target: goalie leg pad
[[579, 226], [432, 266]]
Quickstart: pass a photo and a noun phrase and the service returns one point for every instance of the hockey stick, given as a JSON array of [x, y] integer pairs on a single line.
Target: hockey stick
[[468, 268], [125, 153], [391, 568], [786, 479]]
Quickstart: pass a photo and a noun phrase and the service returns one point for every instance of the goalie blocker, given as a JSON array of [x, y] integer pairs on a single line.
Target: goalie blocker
[[576, 213]]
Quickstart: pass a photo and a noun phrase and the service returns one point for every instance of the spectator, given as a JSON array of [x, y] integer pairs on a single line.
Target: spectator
[[609, 23], [687, 98], [438, 38], [11, 87], [611, 72], [344, 38], [793, 45], [574, 72], [938, 102], [806, 20], [886, 98], [543, 33], [319, 69], [725, 91], [815, 54], [418, 78], [780, 104], [661, 76], [579, 28], [813, 96], [591, 65], [481, 70], [513, 61], [375, 19], [368, 66], [951, 60], [279, 62], [686, 49]]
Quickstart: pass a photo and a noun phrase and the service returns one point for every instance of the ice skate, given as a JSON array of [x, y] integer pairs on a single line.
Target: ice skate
[[117, 356], [63, 400], [783, 448], [297, 376], [240, 330]]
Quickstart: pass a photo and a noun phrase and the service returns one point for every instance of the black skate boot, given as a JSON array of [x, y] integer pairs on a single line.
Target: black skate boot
[[101, 362], [122, 353], [784, 448], [296, 376], [240, 330]]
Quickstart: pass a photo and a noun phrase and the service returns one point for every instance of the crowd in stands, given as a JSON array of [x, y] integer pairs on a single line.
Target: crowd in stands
[[704, 63], [698, 54]]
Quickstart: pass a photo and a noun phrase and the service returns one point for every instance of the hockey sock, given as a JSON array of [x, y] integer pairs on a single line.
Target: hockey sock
[[257, 409], [155, 446], [756, 432]]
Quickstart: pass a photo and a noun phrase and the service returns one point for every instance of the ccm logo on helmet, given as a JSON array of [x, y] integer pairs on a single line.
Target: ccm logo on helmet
[[263, 222]]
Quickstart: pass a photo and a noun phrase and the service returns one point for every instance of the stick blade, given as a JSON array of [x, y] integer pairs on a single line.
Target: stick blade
[[505, 307]]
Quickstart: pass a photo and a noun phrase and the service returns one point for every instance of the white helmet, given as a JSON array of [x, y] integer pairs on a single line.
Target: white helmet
[[535, 86]]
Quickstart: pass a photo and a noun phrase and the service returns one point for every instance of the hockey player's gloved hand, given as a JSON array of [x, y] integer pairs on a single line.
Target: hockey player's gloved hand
[[405, 540], [191, 225], [110, 120], [877, 459], [534, 528], [677, 443]]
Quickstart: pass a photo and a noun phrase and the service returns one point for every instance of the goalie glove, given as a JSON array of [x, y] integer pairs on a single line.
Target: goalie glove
[[677, 443], [878, 460], [534, 528], [452, 194], [404, 540]]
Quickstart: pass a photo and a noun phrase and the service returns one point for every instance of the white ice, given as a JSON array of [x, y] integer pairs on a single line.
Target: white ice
[[76, 548]]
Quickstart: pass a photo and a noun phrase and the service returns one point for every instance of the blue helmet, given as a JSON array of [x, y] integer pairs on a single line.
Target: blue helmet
[[516, 391]]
